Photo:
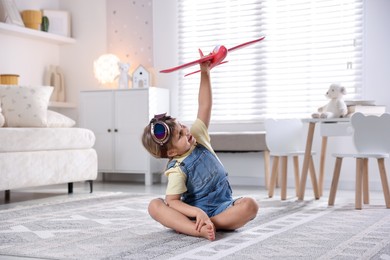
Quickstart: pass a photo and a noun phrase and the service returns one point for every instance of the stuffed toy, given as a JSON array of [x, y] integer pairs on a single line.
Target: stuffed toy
[[124, 76], [336, 106]]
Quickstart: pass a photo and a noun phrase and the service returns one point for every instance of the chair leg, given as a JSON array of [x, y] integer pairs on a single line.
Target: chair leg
[[322, 164], [266, 168], [359, 182], [283, 188], [313, 178], [366, 194], [274, 174], [296, 173], [277, 182], [335, 181], [385, 184]]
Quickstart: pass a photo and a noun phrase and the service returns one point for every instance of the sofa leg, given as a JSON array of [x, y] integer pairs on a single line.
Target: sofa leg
[[70, 187], [91, 186], [7, 194]]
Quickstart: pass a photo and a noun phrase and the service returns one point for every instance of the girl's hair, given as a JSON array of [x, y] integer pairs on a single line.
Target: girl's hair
[[156, 149]]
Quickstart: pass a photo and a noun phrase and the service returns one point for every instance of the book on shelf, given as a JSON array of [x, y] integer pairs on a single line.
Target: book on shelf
[[366, 109]]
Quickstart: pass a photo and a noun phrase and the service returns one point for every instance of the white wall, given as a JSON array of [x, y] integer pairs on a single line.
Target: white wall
[[377, 51], [36, 4], [90, 31], [27, 58], [165, 46]]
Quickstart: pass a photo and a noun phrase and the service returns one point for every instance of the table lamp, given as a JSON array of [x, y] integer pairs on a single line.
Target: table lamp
[[106, 69]]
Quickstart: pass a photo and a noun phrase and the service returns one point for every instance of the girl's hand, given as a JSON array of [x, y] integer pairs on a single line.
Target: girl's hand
[[201, 219]]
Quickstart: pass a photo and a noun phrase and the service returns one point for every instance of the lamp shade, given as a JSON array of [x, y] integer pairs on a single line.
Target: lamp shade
[[105, 68]]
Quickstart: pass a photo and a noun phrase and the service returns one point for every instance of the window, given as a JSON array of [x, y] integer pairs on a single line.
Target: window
[[309, 44]]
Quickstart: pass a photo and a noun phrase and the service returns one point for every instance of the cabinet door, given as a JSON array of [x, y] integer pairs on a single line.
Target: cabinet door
[[96, 113], [131, 117]]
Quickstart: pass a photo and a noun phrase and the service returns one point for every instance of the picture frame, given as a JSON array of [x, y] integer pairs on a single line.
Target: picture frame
[[59, 22], [9, 13]]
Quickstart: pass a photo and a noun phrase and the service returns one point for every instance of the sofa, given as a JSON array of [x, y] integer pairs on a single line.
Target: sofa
[[39, 146]]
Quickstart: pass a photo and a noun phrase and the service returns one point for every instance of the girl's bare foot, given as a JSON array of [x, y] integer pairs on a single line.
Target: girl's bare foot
[[208, 231]]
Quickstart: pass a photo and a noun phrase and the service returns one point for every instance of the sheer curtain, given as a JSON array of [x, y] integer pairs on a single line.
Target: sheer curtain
[[309, 44]]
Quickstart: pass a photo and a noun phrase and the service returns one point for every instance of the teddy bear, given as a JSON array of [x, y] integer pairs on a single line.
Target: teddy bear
[[336, 106], [124, 76]]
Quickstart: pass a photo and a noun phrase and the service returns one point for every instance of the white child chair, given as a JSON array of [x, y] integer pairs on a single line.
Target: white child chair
[[371, 137], [284, 139]]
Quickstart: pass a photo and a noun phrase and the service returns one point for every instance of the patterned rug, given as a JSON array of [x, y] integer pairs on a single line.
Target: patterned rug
[[117, 226]]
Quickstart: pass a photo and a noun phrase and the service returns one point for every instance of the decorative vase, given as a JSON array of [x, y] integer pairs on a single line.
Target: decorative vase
[[61, 89], [54, 77], [32, 19]]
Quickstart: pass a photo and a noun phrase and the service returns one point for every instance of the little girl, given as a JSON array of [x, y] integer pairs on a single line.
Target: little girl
[[198, 198]]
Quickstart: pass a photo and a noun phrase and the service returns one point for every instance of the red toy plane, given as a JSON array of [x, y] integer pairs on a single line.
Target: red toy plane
[[216, 57]]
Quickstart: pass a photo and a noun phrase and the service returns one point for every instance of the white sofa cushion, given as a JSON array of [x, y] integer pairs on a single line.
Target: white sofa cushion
[[55, 119], [30, 139], [25, 106]]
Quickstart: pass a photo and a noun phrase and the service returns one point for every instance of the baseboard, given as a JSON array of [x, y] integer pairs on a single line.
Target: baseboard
[[256, 181], [126, 177]]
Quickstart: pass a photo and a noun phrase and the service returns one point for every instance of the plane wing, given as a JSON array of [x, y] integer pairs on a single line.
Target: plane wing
[[245, 44], [189, 64], [209, 57]]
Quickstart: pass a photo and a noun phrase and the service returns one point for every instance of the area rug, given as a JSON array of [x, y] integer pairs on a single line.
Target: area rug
[[117, 226]]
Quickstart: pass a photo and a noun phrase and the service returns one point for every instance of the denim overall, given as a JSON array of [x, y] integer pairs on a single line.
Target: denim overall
[[207, 182]]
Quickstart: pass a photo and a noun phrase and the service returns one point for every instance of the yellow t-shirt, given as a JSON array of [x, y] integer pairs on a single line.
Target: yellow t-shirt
[[176, 178]]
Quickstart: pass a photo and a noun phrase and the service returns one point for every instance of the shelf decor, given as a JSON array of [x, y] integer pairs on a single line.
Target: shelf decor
[[54, 77], [141, 77], [32, 19], [59, 22], [9, 13], [9, 79]]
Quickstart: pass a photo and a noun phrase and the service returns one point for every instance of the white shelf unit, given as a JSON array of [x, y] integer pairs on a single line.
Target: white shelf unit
[[24, 32]]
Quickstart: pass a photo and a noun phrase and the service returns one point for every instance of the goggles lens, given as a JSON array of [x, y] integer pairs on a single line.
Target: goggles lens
[[160, 131]]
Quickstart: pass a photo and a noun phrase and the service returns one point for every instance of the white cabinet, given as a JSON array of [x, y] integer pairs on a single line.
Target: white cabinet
[[118, 118]]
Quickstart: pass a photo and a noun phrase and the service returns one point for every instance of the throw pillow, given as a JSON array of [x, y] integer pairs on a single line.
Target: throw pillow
[[55, 119], [25, 106]]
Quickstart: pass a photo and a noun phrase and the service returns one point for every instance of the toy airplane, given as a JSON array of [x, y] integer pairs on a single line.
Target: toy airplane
[[216, 57]]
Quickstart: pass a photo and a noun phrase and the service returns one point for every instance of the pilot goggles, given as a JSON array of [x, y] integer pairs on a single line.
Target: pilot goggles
[[160, 131]]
